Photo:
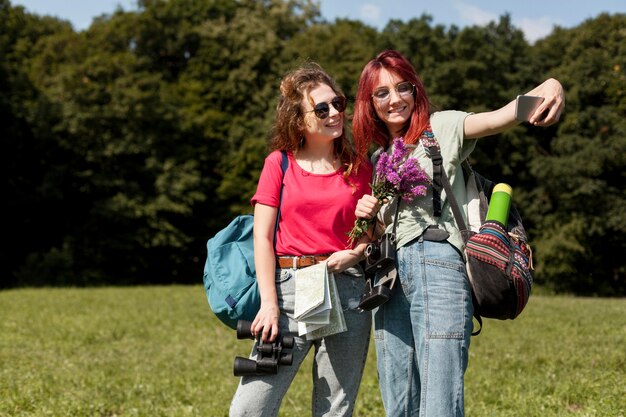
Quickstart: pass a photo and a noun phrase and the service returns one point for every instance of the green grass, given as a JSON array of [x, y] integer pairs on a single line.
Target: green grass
[[158, 351]]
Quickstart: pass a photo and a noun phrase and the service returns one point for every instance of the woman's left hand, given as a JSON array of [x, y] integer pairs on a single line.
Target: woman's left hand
[[343, 259]]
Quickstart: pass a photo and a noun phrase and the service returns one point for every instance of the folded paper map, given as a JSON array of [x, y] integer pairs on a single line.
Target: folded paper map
[[317, 305], [312, 294]]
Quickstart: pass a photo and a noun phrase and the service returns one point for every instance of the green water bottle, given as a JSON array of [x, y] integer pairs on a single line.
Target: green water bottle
[[500, 203]]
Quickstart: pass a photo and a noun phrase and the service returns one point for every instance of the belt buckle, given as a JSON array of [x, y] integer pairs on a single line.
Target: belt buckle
[[311, 257]]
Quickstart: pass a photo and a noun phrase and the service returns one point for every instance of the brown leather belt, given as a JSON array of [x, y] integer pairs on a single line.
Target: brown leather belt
[[296, 262]]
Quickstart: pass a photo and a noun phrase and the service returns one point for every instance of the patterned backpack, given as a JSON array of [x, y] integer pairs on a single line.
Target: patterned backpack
[[498, 260]]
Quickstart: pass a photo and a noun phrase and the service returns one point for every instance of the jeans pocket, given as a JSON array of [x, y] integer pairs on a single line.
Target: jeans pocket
[[283, 275], [449, 298], [351, 286], [285, 289]]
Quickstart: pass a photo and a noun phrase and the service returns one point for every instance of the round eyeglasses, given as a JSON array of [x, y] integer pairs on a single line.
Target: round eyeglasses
[[322, 110], [404, 90]]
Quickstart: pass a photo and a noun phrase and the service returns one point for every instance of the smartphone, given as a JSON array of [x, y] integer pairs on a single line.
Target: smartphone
[[525, 106]]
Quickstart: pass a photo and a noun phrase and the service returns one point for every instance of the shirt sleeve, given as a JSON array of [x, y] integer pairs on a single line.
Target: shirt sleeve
[[268, 188], [448, 127]]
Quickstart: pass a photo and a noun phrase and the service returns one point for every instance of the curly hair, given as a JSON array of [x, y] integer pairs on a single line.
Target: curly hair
[[288, 130]]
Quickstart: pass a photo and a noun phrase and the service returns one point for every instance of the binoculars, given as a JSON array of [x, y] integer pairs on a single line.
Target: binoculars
[[269, 354], [380, 268]]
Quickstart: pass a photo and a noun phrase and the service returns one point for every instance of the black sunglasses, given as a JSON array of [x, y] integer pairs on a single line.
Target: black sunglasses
[[322, 110]]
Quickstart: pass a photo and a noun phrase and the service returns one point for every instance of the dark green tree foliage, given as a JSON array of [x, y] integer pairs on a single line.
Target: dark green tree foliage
[[581, 233], [124, 174], [341, 48], [143, 108], [249, 48], [129, 144], [29, 158]]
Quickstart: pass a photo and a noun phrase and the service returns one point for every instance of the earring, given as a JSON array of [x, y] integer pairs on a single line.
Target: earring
[[301, 143]]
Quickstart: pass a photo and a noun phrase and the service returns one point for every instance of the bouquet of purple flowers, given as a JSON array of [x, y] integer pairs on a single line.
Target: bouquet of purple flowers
[[396, 175]]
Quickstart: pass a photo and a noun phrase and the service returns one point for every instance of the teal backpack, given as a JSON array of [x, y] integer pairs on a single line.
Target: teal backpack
[[229, 271]]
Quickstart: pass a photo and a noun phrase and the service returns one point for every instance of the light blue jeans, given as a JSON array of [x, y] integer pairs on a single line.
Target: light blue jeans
[[339, 358], [423, 333]]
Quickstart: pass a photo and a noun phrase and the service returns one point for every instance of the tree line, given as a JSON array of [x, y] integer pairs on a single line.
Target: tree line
[[127, 145]]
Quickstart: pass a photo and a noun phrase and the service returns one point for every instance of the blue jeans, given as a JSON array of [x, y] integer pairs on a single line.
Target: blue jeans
[[339, 358], [423, 333]]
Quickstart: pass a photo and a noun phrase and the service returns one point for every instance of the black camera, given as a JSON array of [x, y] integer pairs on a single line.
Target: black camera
[[380, 255], [380, 270], [269, 354]]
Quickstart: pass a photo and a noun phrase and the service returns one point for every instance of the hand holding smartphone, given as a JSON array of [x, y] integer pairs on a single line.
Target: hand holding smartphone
[[525, 107]]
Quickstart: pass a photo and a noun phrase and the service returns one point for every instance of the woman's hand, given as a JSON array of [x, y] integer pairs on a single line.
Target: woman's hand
[[344, 259], [367, 207], [265, 324], [549, 112]]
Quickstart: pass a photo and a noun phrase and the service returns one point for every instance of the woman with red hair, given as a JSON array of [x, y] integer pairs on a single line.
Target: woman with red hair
[[423, 332]]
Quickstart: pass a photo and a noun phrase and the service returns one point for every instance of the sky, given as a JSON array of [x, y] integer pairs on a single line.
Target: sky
[[536, 18]]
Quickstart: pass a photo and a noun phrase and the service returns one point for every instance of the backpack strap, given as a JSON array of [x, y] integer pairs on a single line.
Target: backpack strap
[[284, 164], [431, 146], [434, 152], [441, 181]]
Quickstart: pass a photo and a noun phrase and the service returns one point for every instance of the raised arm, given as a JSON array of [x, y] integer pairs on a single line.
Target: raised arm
[[483, 124]]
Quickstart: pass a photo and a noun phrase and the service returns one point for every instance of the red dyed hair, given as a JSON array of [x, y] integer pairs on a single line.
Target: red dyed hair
[[367, 128]]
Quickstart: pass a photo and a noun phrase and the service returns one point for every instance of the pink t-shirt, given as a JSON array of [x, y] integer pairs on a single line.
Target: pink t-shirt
[[317, 210]]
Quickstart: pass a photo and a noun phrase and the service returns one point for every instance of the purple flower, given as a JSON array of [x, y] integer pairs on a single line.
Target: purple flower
[[402, 176], [396, 175], [399, 152]]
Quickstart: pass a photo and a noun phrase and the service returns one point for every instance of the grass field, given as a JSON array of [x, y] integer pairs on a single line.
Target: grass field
[[158, 351]]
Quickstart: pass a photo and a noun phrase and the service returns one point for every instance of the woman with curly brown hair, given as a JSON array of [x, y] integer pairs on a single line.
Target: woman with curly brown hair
[[321, 187]]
